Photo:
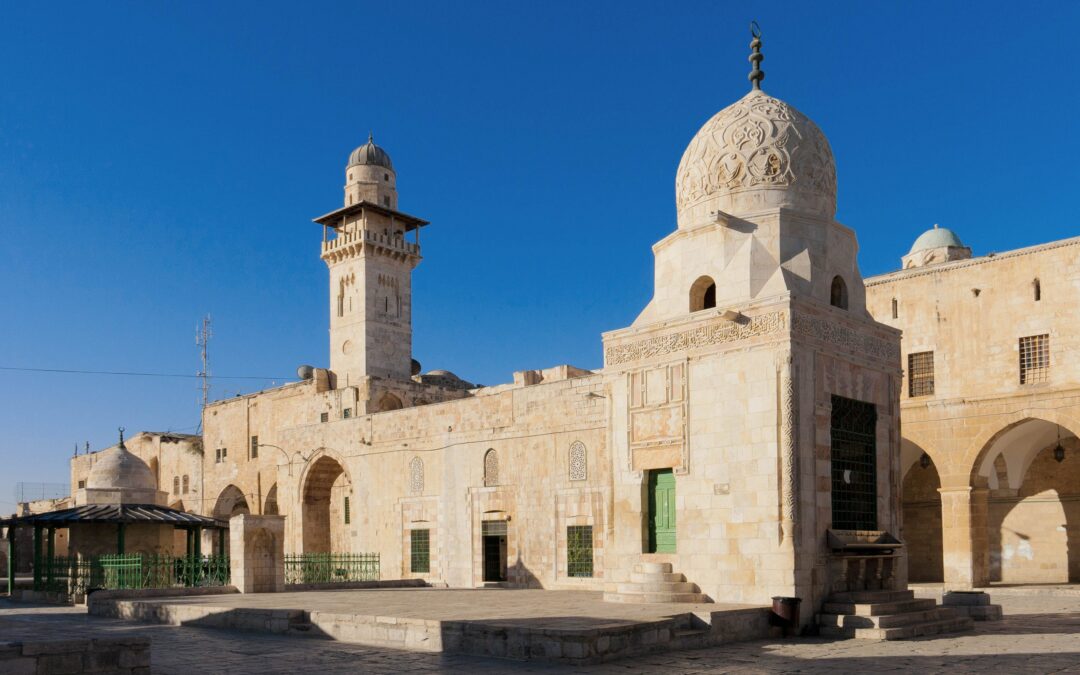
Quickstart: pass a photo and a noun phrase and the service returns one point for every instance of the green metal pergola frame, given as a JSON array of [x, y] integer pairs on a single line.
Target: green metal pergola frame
[[118, 515]]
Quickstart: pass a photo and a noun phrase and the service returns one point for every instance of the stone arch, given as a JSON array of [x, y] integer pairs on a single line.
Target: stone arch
[[703, 294], [838, 293], [230, 502], [491, 468], [921, 503], [270, 504], [325, 487], [984, 445], [1033, 504], [389, 402]]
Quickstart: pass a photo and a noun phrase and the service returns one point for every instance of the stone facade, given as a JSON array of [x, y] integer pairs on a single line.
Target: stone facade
[[992, 389], [706, 446]]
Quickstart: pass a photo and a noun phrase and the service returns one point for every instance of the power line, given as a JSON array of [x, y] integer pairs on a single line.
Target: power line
[[134, 374]]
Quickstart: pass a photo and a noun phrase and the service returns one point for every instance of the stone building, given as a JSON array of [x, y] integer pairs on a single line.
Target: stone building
[[749, 411], [990, 409]]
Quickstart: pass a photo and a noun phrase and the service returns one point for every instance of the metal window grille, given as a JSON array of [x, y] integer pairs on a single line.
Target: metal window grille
[[921, 374], [579, 551], [854, 474], [324, 417], [493, 528], [420, 551], [1034, 359], [347, 518], [347, 413], [176, 485], [187, 483], [254, 447]]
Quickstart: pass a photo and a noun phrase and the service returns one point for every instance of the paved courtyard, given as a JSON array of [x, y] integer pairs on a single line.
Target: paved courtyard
[[1041, 634]]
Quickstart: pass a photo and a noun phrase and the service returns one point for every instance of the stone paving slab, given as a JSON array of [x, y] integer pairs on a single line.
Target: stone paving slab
[[1038, 635]]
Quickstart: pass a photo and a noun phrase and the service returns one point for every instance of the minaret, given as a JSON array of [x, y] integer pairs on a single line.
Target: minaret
[[371, 260]]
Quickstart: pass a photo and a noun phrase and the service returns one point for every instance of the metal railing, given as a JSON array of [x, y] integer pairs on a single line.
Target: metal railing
[[328, 568], [76, 576]]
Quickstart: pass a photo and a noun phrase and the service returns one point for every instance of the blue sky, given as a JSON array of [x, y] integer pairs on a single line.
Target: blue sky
[[159, 161]]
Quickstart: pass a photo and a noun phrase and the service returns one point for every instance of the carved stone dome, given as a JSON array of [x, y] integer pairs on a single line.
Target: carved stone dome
[[757, 153], [118, 468]]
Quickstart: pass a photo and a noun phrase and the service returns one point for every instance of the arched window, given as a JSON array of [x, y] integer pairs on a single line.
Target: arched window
[[703, 294], [186, 484], [1037, 286], [578, 468], [491, 468], [176, 485], [389, 402], [838, 293], [416, 476]]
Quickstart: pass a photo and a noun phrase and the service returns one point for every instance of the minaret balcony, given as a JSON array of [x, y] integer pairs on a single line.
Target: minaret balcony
[[349, 244]]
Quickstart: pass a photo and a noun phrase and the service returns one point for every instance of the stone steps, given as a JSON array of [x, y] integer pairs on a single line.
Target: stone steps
[[954, 625], [887, 615], [863, 597], [878, 608], [885, 620], [654, 582]]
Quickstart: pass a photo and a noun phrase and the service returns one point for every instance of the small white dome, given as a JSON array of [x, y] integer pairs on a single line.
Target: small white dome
[[757, 153], [936, 237], [118, 468]]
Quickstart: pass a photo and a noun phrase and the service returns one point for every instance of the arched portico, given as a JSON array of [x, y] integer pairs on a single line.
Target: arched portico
[[1017, 518], [326, 508], [921, 534]]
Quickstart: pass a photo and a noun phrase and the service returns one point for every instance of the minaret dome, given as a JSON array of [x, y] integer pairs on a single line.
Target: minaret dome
[[370, 177]]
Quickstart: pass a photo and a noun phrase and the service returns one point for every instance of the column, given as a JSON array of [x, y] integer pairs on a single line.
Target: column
[[964, 537], [37, 557], [11, 560], [50, 555]]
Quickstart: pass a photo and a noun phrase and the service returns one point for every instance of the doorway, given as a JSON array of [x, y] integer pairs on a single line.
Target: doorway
[[662, 511], [493, 534]]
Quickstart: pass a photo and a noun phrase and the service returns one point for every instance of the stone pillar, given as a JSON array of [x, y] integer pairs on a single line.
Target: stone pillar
[[257, 553], [964, 537]]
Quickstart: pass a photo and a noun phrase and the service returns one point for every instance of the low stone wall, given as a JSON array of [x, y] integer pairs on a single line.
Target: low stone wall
[[123, 656], [349, 585]]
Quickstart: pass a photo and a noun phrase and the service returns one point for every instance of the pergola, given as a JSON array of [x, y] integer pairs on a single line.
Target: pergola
[[105, 515]]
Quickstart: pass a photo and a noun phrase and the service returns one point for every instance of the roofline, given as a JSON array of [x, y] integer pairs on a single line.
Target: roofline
[[911, 272], [412, 222]]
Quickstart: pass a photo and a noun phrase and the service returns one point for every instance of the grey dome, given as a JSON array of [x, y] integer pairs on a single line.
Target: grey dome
[[370, 154], [936, 238], [118, 468]]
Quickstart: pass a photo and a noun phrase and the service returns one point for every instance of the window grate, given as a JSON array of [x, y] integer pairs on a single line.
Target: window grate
[[579, 551], [921, 374], [348, 516], [420, 551], [1034, 359], [854, 475], [254, 447]]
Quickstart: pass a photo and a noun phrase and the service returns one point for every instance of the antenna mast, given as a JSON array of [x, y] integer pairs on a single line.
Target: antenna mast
[[202, 339]]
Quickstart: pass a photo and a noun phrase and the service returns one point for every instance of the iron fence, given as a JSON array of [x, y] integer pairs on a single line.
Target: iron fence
[[76, 576], [326, 568]]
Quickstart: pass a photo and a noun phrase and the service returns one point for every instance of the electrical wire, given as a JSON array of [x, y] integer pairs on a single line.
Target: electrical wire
[[135, 374]]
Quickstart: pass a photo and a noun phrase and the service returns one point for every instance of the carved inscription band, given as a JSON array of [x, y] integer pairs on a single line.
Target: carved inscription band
[[713, 334]]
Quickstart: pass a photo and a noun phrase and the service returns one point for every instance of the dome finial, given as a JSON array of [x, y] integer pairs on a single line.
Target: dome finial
[[121, 429], [370, 137], [756, 73]]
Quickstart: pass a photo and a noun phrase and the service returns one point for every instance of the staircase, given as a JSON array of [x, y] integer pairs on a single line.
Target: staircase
[[887, 615], [654, 582]]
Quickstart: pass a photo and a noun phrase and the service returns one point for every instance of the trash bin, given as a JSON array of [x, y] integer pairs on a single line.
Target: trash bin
[[786, 613]]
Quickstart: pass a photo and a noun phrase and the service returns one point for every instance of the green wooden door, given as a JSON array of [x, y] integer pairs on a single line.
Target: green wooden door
[[662, 511]]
